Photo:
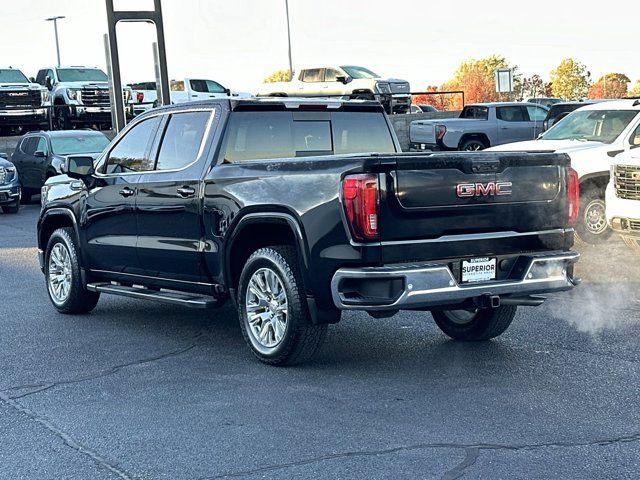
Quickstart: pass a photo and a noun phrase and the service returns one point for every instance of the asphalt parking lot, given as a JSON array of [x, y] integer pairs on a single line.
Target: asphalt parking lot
[[138, 390]]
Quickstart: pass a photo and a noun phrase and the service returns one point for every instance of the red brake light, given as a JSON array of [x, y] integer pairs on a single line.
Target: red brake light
[[360, 199], [573, 194], [440, 131], [140, 97]]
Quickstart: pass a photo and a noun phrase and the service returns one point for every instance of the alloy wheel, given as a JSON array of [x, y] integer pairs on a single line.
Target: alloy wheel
[[266, 307], [595, 217], [59, 273]]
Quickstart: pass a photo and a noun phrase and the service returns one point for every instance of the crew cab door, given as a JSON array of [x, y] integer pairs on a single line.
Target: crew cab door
[[169, 208], [110, 227], [513, 124]]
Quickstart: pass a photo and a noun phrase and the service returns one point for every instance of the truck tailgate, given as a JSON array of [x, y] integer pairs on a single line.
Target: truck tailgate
[[448, 200]]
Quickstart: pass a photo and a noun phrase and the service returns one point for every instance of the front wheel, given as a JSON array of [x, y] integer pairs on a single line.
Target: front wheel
[[62, 273], [592, 225], [475, 324], [272, 308]]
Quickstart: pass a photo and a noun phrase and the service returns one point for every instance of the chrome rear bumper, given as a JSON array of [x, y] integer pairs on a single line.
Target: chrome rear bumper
[[433, 284]]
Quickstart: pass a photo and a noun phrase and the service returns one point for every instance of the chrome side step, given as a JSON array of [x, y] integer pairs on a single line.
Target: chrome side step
[[163, 296]]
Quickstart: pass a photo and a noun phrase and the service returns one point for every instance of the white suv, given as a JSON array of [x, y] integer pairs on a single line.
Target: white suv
[[591, 135], [623, 192]]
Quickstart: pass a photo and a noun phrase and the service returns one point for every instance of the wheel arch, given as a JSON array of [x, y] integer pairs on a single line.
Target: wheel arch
[[474, 136], [597, 180], [53, 219]]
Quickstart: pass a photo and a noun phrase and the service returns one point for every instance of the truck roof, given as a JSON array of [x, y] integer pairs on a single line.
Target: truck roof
[[622, 104]]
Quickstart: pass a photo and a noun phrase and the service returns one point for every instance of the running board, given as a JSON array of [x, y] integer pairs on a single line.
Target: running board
[[164, 296]]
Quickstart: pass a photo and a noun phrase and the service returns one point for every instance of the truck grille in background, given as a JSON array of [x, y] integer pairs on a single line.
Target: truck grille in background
[[20, 99], [399, 87], [627, 182], [634, 225], [95, 97]]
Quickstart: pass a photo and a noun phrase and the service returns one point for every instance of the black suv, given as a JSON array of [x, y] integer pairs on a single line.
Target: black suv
[[40, 155], [272, 204], [560, 110]]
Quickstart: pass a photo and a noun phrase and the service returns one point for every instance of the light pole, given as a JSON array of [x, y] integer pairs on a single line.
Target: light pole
[[55, 28], [286, 4]]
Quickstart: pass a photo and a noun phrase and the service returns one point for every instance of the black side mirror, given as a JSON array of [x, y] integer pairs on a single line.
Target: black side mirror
[[344, 79], [78, 167], [40, 154], [48, 82], [32, 80]]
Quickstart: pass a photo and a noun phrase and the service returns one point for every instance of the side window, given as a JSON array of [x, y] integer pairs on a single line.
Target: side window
[[176, 85], [510, 114], [635, 136], [40, 77], [312, 75], [536, 114], [331, 75], [131, 153], [182, 139], [28, 145], [41, 145]]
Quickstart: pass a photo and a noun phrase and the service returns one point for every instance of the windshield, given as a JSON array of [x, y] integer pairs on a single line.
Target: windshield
[[78, 144], [359, 72], [596, 125], [12, 76], [206, 86], [81, 75]]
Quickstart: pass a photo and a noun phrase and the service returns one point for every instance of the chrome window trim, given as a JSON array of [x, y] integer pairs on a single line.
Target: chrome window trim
[[203, 142]]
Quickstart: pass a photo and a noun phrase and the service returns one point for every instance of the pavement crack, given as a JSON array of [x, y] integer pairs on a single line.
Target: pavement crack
[[472, 452], [21, 391], [67, 439]]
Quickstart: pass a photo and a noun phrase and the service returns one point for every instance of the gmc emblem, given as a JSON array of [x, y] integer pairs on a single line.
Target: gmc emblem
[[17, 94], [464, 190]]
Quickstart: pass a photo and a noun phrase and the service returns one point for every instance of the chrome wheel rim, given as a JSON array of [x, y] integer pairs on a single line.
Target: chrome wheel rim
[[461, 317], [266, 307], [595, 217], [59, 273], [473, 147]]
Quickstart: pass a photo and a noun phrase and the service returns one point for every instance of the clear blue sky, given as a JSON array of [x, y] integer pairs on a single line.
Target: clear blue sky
[[239, 42]]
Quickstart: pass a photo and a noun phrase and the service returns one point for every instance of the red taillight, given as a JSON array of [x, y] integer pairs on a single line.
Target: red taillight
[[573, 193], [140, 97], [360, 199], [440, 131]]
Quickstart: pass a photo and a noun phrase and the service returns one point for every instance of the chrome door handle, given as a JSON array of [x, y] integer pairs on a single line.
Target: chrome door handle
[[186, 192], [126, 192]]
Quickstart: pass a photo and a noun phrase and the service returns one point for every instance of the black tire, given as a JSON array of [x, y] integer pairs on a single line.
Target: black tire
[[473, 326], [78, 300], [62, 119], [632, 243], [301, 338], [26, 196], [473, 145], [592, 228], [11, 208]]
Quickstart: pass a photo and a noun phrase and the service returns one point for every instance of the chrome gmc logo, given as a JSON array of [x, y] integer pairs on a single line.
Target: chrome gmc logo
[[464, 190]]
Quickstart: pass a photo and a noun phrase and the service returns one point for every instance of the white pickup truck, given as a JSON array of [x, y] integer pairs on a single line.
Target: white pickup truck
[[623, 191], [591, 136], [347, 81], [144, 94]]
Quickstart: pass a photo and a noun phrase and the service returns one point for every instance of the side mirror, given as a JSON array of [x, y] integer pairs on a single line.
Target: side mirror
[[32, 79], [48, 82], [40, 154], [344, 79], [78, 167]]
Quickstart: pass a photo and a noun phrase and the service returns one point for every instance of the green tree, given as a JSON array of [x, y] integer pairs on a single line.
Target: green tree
[[611, 85], [278, 76], [570, 80]]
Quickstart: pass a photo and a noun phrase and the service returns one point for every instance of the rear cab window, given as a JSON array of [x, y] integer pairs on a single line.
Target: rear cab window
[[252, 135], [475, 112]]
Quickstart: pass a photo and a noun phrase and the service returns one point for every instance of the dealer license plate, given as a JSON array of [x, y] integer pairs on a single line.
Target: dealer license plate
[[478, 270]]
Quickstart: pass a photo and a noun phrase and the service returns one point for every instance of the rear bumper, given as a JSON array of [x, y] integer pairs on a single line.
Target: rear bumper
[[405, 287], [10, 194]]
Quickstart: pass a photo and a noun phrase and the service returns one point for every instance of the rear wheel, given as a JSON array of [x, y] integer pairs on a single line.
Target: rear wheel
[[272, 308], [475, 324], [473, 145], [62, 273], [592, 225]]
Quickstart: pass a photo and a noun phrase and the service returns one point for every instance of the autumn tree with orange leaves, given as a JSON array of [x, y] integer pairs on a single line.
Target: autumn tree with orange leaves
[[611, 85]]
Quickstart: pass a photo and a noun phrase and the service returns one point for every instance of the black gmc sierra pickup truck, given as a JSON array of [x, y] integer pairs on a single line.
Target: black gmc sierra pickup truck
[[273, 204]]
